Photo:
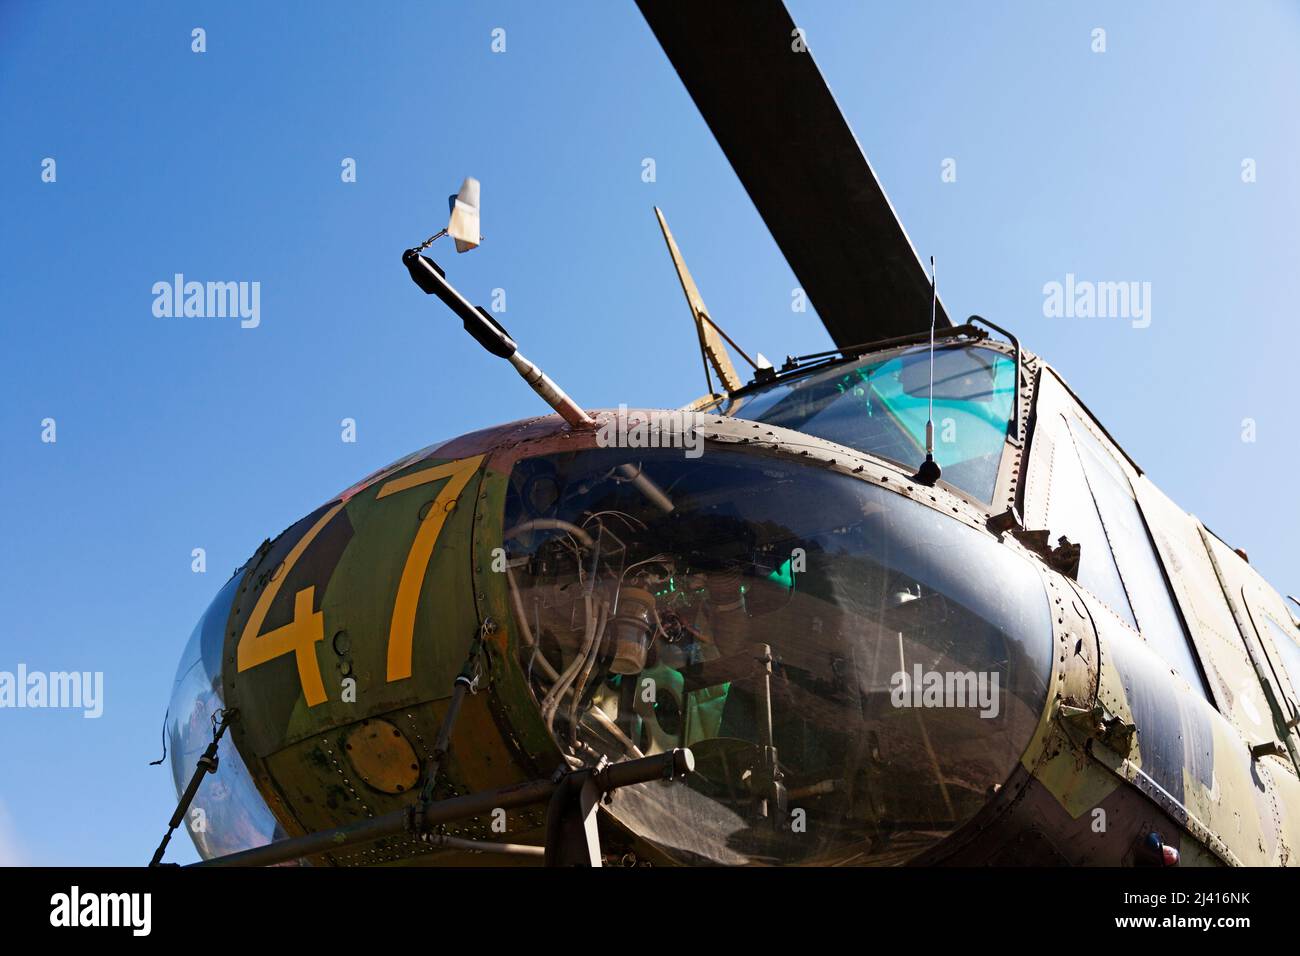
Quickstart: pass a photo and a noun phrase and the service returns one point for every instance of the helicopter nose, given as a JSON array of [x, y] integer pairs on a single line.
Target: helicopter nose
[[855, 672]]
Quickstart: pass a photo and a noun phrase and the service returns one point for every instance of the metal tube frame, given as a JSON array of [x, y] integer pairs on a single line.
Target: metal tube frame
[[420, 819]]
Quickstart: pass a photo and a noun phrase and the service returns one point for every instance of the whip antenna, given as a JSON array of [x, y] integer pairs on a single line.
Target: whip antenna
[[930, 471]]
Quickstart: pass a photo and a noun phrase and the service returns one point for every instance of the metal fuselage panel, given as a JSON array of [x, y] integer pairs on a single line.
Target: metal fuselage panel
[[1177, 739]]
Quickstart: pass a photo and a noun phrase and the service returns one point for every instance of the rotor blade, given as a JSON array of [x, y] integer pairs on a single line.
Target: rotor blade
[[774, 117]]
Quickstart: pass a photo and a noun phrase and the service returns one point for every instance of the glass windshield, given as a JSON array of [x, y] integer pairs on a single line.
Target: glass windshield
[[853, 671], [880, 406], [228, 814]]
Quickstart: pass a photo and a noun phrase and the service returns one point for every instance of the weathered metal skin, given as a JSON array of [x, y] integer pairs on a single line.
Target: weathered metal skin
[[347, 631]]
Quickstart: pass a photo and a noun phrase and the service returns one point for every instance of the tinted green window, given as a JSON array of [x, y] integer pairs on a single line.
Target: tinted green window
[[881, 406]]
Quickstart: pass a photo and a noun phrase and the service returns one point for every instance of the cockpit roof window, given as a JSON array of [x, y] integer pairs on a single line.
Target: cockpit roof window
[[880, 406]]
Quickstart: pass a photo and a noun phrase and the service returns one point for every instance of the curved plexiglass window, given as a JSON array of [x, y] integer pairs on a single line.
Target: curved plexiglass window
[[853, 671], [1126, 535], [880, 406], [228, 814]]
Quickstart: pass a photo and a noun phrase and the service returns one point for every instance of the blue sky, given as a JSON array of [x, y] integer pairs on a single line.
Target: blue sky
[[178, 433]]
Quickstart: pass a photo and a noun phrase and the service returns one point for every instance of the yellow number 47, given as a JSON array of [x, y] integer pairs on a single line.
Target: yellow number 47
[[301, 635]]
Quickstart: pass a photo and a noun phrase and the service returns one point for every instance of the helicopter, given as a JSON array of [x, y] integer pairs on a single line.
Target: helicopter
[[904, 601]]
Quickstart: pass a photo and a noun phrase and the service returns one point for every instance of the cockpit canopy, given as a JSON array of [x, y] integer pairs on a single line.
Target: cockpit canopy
[[854, 671], [880, 406]]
